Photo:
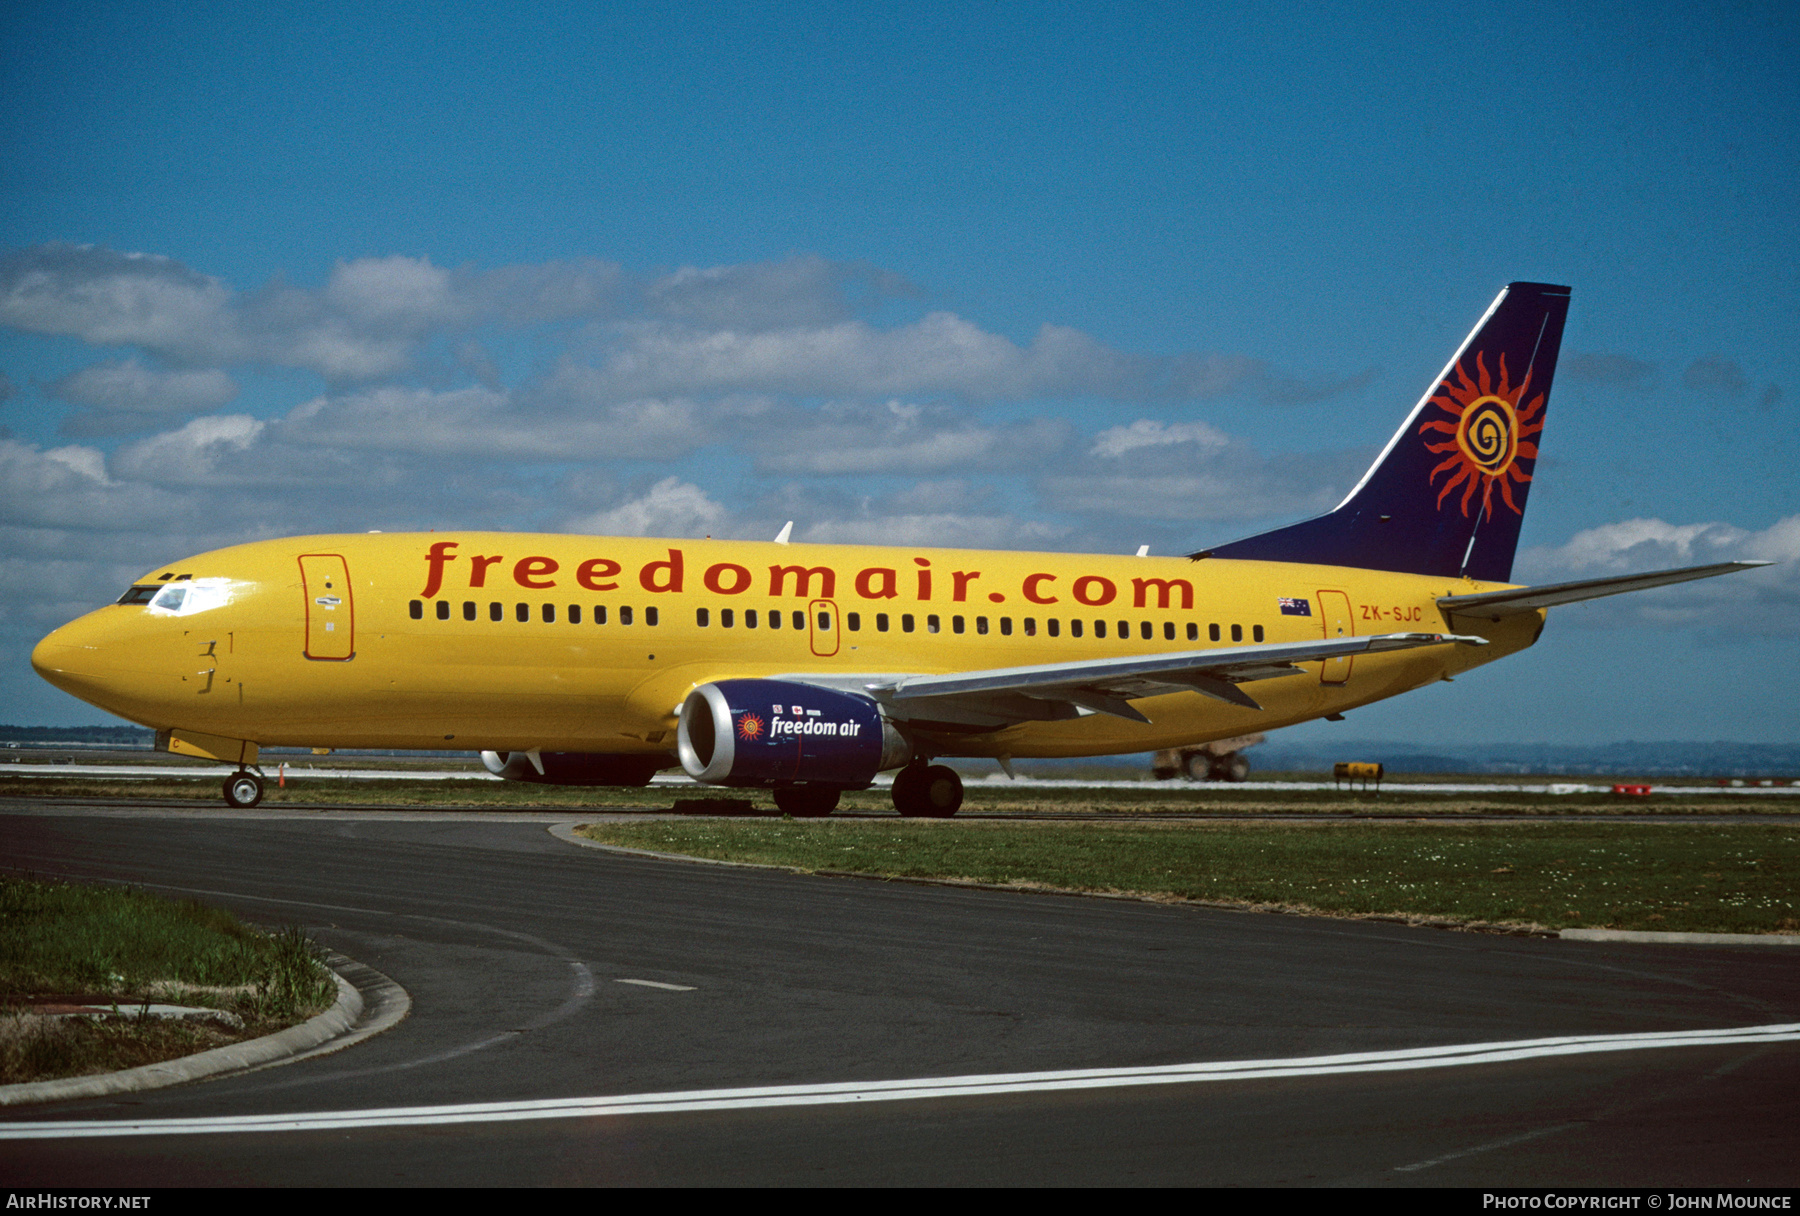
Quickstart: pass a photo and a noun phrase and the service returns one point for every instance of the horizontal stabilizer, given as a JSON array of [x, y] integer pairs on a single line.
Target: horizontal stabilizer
[[1519, 600]]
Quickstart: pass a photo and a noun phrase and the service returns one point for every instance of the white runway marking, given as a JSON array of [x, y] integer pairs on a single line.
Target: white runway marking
[[899, 1091], [660, 984]]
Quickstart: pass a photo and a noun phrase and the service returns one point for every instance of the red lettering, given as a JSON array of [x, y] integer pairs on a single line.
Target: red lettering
[[671, 569], [865, 583], [960, 580], [715, 579], [527, 572], [590, 572], [1140, 588], [478, 569], [803, 577], [1031, 588], [924, 577], [435, 558], [1084, 586]]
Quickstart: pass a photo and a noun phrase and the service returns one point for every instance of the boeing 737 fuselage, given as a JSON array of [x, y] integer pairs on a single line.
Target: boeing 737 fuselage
[[808, 669]]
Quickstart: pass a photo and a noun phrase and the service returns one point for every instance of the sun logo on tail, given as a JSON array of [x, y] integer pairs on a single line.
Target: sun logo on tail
[[1489, 433]]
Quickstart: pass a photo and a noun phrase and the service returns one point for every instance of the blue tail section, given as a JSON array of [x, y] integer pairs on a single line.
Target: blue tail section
[[1447, 494]]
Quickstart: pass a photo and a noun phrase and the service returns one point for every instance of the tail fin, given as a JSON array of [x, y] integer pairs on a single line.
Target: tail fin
[[1447, 494]]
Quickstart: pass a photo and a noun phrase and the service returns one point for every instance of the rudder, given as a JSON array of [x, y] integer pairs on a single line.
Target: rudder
[[1447, 495]]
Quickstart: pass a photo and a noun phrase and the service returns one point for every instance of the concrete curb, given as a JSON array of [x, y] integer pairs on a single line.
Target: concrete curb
[[338, 1027], [566, 832], [1681, 939]]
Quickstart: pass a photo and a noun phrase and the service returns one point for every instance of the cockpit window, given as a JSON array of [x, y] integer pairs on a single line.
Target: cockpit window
[[138, 595], [185, 599]]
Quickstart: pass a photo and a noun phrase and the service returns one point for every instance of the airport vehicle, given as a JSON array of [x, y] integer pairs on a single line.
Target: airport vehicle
[[1213, 760], [808, 669]]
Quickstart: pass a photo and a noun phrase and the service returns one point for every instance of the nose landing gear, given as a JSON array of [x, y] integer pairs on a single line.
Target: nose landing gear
[[924, 791], [243, 789]]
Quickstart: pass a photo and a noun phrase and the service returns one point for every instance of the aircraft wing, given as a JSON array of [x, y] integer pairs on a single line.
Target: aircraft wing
[[1052, 691], [1518, 600]]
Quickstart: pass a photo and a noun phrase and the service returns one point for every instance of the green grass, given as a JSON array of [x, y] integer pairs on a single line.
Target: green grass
[[983, 797], [131, 948], [1737, 878]]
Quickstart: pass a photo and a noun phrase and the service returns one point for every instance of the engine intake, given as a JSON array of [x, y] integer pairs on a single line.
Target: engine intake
[[777, 732]]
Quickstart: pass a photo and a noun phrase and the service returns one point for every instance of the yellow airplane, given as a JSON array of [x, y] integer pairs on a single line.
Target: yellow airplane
[[808, 669]]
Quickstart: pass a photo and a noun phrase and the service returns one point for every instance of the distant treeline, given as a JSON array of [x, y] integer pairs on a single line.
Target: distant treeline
[[116, 736]]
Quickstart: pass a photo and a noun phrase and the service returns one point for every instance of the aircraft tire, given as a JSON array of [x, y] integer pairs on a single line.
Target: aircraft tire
[[806, 801], [243, 789], [1199, 767], [927, 791], [1235, 768]]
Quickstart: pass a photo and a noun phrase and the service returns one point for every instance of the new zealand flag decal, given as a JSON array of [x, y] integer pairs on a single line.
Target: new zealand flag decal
[[1292, 607]]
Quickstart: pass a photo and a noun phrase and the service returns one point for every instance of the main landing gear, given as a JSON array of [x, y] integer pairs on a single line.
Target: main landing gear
[[924, 791], [243, 789]]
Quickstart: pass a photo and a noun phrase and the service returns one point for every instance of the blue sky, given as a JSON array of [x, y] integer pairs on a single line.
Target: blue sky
[[1024, 276]]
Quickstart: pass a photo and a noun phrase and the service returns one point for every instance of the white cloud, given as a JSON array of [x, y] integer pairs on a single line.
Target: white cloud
[[1146, 432], [672, 507], [128, 386], [897, 437], [1757, 601], [497, 424], [193, 453]]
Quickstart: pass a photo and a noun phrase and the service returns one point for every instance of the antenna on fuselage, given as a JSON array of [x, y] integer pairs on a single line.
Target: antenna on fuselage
[[787, 530]]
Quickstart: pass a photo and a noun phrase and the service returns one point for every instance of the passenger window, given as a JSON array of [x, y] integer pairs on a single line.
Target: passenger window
[[749, 618], [702, 617], [650, 616], [906, 622], [1006, 626], [625, 614], [468, 610], [855, 621], [1030, 624], [1193, 632], [443, 610], [931, 623], [824, 622], [1054, 625], [574, 614], [549, 613], [1074, 628], [1257, 633], [599, 614], [416, 610], [1237, 633], [881, 622], [956, 624], [496, 612], [726, 620], [1124, 631], [1099, 629], [1168, 631], [522, 612], [775, 618], [1147, 631], [1212, 631], [981, 624]]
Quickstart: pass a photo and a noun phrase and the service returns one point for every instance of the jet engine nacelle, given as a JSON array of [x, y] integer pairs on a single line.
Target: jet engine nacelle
[[575, 768], [776, 732]]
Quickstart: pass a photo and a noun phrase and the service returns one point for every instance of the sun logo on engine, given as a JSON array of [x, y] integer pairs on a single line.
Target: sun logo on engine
[[1490, 432], [751, 728]]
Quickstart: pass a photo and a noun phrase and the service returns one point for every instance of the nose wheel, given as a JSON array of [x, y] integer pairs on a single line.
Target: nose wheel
[[243, 789], [927, 791]]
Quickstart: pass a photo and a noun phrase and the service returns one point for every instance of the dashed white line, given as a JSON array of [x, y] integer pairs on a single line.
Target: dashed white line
[[659, 984]]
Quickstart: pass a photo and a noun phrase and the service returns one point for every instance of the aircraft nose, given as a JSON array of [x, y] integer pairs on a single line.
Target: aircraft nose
[[68, 657]]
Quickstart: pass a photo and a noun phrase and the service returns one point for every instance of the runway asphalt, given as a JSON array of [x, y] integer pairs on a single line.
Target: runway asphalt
[[519, 952]]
